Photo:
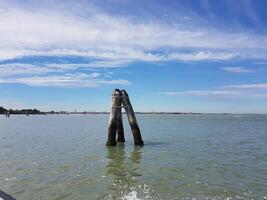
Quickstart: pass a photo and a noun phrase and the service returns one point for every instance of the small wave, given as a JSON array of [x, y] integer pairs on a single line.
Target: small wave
[[142, 192]]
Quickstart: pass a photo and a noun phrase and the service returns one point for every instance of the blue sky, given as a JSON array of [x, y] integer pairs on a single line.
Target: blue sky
[[189, 56]]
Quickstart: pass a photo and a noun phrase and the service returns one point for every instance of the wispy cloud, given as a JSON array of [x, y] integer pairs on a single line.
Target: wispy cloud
[[7, 70], [202, 93], [18, 68], [243, 90], [59, 75], [237, 70], [249, 86], [201, 56], [66, 80], [261, 62]]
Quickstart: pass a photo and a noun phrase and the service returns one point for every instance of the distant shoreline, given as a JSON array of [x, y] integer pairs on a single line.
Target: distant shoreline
[[4, 111], [158, 113], [97, 113], [137, 113]]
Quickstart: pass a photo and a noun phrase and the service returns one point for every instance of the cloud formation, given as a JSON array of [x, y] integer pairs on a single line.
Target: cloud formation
[[43, 31], [63, 29]]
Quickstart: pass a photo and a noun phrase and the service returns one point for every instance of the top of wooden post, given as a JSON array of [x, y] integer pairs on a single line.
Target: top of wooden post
[[124, 94], [116, 92]]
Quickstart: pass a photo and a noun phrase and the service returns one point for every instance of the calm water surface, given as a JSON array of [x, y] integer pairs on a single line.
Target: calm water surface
[[185, 157]]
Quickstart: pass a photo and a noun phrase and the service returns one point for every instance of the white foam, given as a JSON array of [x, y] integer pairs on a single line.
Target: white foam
[[9, 179], [131, 196]]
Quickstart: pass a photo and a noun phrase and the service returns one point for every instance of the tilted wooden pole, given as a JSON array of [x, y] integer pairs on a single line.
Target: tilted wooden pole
[[131, 118], [115, 116]]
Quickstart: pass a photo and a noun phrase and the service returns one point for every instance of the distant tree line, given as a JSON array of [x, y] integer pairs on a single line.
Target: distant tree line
[[2, 110], [23, 111]]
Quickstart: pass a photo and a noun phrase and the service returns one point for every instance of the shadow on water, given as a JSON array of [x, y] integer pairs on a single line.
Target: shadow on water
[[123, 170]]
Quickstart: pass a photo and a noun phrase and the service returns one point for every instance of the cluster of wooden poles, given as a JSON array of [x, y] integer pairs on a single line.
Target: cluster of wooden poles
[[120, 99]]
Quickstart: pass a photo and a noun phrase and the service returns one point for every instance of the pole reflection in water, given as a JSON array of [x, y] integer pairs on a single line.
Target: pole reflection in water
[[123, 170]]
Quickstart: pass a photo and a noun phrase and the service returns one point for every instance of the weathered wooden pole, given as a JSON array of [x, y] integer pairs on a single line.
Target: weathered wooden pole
[[131, 118], [120, 131], [115, 118]]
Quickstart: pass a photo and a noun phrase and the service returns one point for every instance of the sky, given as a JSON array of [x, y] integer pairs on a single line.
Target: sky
[[175, 56]]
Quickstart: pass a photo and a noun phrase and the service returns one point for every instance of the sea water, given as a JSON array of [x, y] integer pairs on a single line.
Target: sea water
[[205, 156]]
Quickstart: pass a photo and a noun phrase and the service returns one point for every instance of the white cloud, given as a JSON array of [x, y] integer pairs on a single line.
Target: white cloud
[[237, 69], [249, 86], [108, 63], [201, 55], [106, 41], [66, 80], [46, 31]]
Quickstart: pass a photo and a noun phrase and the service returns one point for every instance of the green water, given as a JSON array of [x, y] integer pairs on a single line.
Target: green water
[[58, 157]]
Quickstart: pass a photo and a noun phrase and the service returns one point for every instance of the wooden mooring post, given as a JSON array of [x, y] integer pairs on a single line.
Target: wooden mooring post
[[115, 118], [121, 99]]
